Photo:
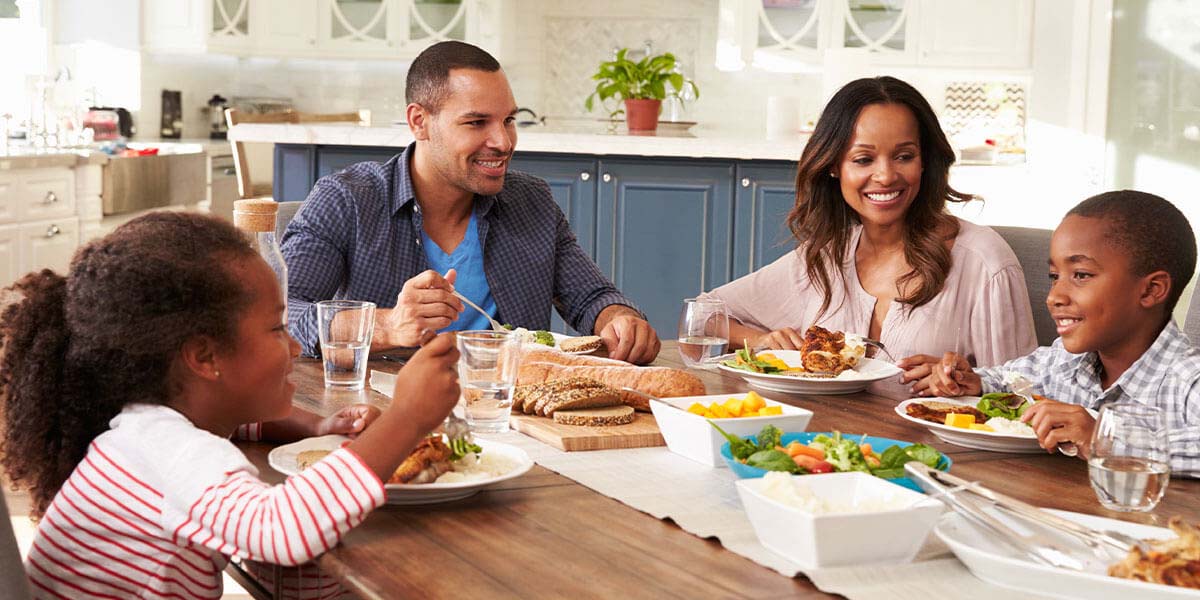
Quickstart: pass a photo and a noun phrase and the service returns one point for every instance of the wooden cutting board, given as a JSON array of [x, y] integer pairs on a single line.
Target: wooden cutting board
[[641, 433]]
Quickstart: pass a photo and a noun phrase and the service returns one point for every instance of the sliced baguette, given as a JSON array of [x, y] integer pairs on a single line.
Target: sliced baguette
[[595, 397], [596, 417]]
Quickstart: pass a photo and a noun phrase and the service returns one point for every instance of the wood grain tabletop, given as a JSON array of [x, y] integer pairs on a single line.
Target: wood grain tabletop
[[544, 536]]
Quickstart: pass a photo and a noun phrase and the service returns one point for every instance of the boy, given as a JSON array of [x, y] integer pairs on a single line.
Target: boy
[[1118, 264]]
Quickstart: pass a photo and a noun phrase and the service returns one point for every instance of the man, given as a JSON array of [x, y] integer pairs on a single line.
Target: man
[[448, 205]]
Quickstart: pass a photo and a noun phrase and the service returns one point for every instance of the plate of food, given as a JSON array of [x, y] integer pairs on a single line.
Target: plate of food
[[581, 344], [828, 362], [826, 452], [1166, 570], [430, 473], [991, 422]]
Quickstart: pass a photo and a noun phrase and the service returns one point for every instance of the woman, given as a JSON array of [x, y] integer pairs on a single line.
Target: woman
[[878, 253]]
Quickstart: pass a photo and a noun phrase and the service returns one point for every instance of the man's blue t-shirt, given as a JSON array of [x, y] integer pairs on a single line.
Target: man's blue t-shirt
[[467, 259]]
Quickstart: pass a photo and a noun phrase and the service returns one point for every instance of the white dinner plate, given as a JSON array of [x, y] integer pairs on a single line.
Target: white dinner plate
[[993, 561], [558, 338], [283, 459], [971, 438], [867, 371]]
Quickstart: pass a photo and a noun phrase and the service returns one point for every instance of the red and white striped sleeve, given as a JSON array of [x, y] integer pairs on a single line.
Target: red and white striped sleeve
[[250, 432], [286, 524]]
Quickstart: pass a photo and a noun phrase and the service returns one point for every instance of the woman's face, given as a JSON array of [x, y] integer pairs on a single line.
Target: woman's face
[[880, 173], [254, 374]]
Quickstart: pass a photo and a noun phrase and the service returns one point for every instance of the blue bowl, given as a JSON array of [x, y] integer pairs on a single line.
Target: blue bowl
[[878, 444]]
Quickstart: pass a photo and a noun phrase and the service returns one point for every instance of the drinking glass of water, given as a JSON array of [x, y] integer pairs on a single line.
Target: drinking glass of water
[[1129, 465], [703, 331], [345, 327], [487, 371]]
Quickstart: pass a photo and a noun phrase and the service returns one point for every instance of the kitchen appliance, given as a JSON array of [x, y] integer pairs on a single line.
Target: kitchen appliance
[[217, 128], [108, 123], [137, 183], [172, 115]]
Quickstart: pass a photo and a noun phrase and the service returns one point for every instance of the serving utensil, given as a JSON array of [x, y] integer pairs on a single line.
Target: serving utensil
[[496, 326], [652, 397], [1024, 388]]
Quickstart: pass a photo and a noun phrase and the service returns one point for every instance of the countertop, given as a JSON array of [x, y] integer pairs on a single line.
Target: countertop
[[25, 157], [562, 136]]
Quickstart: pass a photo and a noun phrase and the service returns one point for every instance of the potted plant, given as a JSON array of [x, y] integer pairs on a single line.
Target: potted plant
[[641, 86]]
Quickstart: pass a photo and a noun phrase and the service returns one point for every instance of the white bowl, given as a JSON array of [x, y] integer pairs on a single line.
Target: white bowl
[[690, 435], [831, 540]]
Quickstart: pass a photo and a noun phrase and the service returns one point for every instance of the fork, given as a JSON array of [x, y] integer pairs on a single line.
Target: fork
[[1024, 388], [878, 344], [496, 326]]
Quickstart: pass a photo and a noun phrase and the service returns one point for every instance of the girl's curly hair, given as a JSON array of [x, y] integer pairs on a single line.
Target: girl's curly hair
[[75, 350]]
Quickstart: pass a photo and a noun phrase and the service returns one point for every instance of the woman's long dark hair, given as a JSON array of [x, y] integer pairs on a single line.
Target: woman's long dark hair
[[75, 350], [821, 220]]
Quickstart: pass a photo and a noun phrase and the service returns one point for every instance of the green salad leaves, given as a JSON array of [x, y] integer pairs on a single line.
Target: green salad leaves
[[844, 453], [761, 452], [745, 360], [1003, 405]]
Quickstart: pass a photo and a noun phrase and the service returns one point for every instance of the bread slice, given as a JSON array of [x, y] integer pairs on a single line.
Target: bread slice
[[309, 458], [596, 417], [527, 397], [583, 343], [588, 397]]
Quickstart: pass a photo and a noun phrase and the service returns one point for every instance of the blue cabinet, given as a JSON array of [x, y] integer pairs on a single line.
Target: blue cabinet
[[665, 231], [766, 193]]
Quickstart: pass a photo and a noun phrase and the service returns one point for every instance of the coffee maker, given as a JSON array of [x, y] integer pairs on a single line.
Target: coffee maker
[[217, 128]]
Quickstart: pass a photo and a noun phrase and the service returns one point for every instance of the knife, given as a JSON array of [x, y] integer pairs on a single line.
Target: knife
[[1024, 388]]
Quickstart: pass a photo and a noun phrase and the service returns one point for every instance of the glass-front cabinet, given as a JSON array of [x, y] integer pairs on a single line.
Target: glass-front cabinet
[[799, 35], [327, 28]]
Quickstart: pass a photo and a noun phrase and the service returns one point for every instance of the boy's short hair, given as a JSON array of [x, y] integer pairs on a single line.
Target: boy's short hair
[[1154, 233], [426, 80]]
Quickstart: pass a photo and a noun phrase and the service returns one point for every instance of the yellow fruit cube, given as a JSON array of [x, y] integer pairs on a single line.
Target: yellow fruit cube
[[753, 402], [772, 360], [719, 412], [734, 406], [960, 420], [697, 409], [771, 410], [981, 427]]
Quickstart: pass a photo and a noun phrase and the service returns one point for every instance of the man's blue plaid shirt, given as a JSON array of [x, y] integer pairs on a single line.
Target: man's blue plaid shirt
[[358, 237]]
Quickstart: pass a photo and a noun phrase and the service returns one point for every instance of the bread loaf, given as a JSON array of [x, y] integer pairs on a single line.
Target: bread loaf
[[662, 382], [549, 355]]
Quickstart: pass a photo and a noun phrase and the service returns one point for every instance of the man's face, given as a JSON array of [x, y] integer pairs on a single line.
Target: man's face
[[471, 138]]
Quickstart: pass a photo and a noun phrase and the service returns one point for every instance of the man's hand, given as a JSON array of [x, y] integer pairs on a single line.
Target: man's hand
[[1058, 423], [627, 335], [349, 421], [426, 302], [951, 375]]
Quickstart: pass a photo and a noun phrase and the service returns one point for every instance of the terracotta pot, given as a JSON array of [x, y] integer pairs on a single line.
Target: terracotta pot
[[642, 115]]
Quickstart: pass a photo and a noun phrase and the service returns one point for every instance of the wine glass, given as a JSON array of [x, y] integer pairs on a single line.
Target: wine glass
[[703, 331], [1129, 466]]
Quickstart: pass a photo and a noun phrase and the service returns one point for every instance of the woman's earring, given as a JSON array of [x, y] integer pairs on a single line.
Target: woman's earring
[[833, 175], [217, 374]]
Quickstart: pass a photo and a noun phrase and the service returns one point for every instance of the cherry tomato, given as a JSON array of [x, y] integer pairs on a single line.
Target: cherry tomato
[[821, 467]]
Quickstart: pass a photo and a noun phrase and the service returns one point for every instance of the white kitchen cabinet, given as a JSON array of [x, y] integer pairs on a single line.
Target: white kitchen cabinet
[[46, 193], [801, 35], [10, 254], [350, 29], [10, 196], [48, 244]]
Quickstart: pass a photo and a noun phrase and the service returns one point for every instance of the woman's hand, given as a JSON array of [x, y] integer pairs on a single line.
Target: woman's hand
[[349, 421], [1059, 423], [951, 375], [780, 339]]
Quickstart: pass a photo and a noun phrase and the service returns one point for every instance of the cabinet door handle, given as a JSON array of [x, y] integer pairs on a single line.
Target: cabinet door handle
[[745, 182], [607, 177], [52, 231], [50, 198], [229, 171], [585, 176]]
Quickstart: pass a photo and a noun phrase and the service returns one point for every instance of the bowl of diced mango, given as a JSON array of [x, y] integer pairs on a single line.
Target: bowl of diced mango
[[688, 433]]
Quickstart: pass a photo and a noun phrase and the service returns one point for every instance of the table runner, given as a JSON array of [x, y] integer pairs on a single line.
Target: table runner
[[703, 501]]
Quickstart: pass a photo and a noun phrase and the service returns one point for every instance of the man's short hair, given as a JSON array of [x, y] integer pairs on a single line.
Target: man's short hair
[[426, 81], [1151, 231]]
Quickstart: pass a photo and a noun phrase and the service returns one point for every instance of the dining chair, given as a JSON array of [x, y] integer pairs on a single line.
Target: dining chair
[[12, 571], [1032, 247], [1191, 323], [287, 210], [247, 186]]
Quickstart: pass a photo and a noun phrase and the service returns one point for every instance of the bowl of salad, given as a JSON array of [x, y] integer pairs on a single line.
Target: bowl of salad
[[826, 452]]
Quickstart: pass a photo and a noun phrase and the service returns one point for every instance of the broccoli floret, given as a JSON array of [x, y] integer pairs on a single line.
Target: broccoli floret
[[543, 337]]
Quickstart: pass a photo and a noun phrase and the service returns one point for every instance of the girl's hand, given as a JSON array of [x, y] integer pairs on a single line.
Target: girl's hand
[[1058, 423], [349, 421]]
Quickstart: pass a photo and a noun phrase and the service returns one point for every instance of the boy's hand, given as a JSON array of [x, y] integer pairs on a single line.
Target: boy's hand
[[1059, 423], [951, 375], [427, 387], [348, 421]]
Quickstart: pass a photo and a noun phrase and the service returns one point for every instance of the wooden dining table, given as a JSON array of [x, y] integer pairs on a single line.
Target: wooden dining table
[[543, 535]]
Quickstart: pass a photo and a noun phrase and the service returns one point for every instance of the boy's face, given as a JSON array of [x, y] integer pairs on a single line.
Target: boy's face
[[1095, 297]]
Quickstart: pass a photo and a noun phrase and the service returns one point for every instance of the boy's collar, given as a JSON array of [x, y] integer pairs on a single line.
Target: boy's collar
[[1134, 382]]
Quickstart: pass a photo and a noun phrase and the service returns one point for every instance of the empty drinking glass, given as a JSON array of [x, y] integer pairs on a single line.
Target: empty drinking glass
[[345, 327], [703, 331], [1129, 464], [487, 371]]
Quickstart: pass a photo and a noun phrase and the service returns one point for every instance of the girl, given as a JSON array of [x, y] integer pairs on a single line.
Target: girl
[[122, 384]]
